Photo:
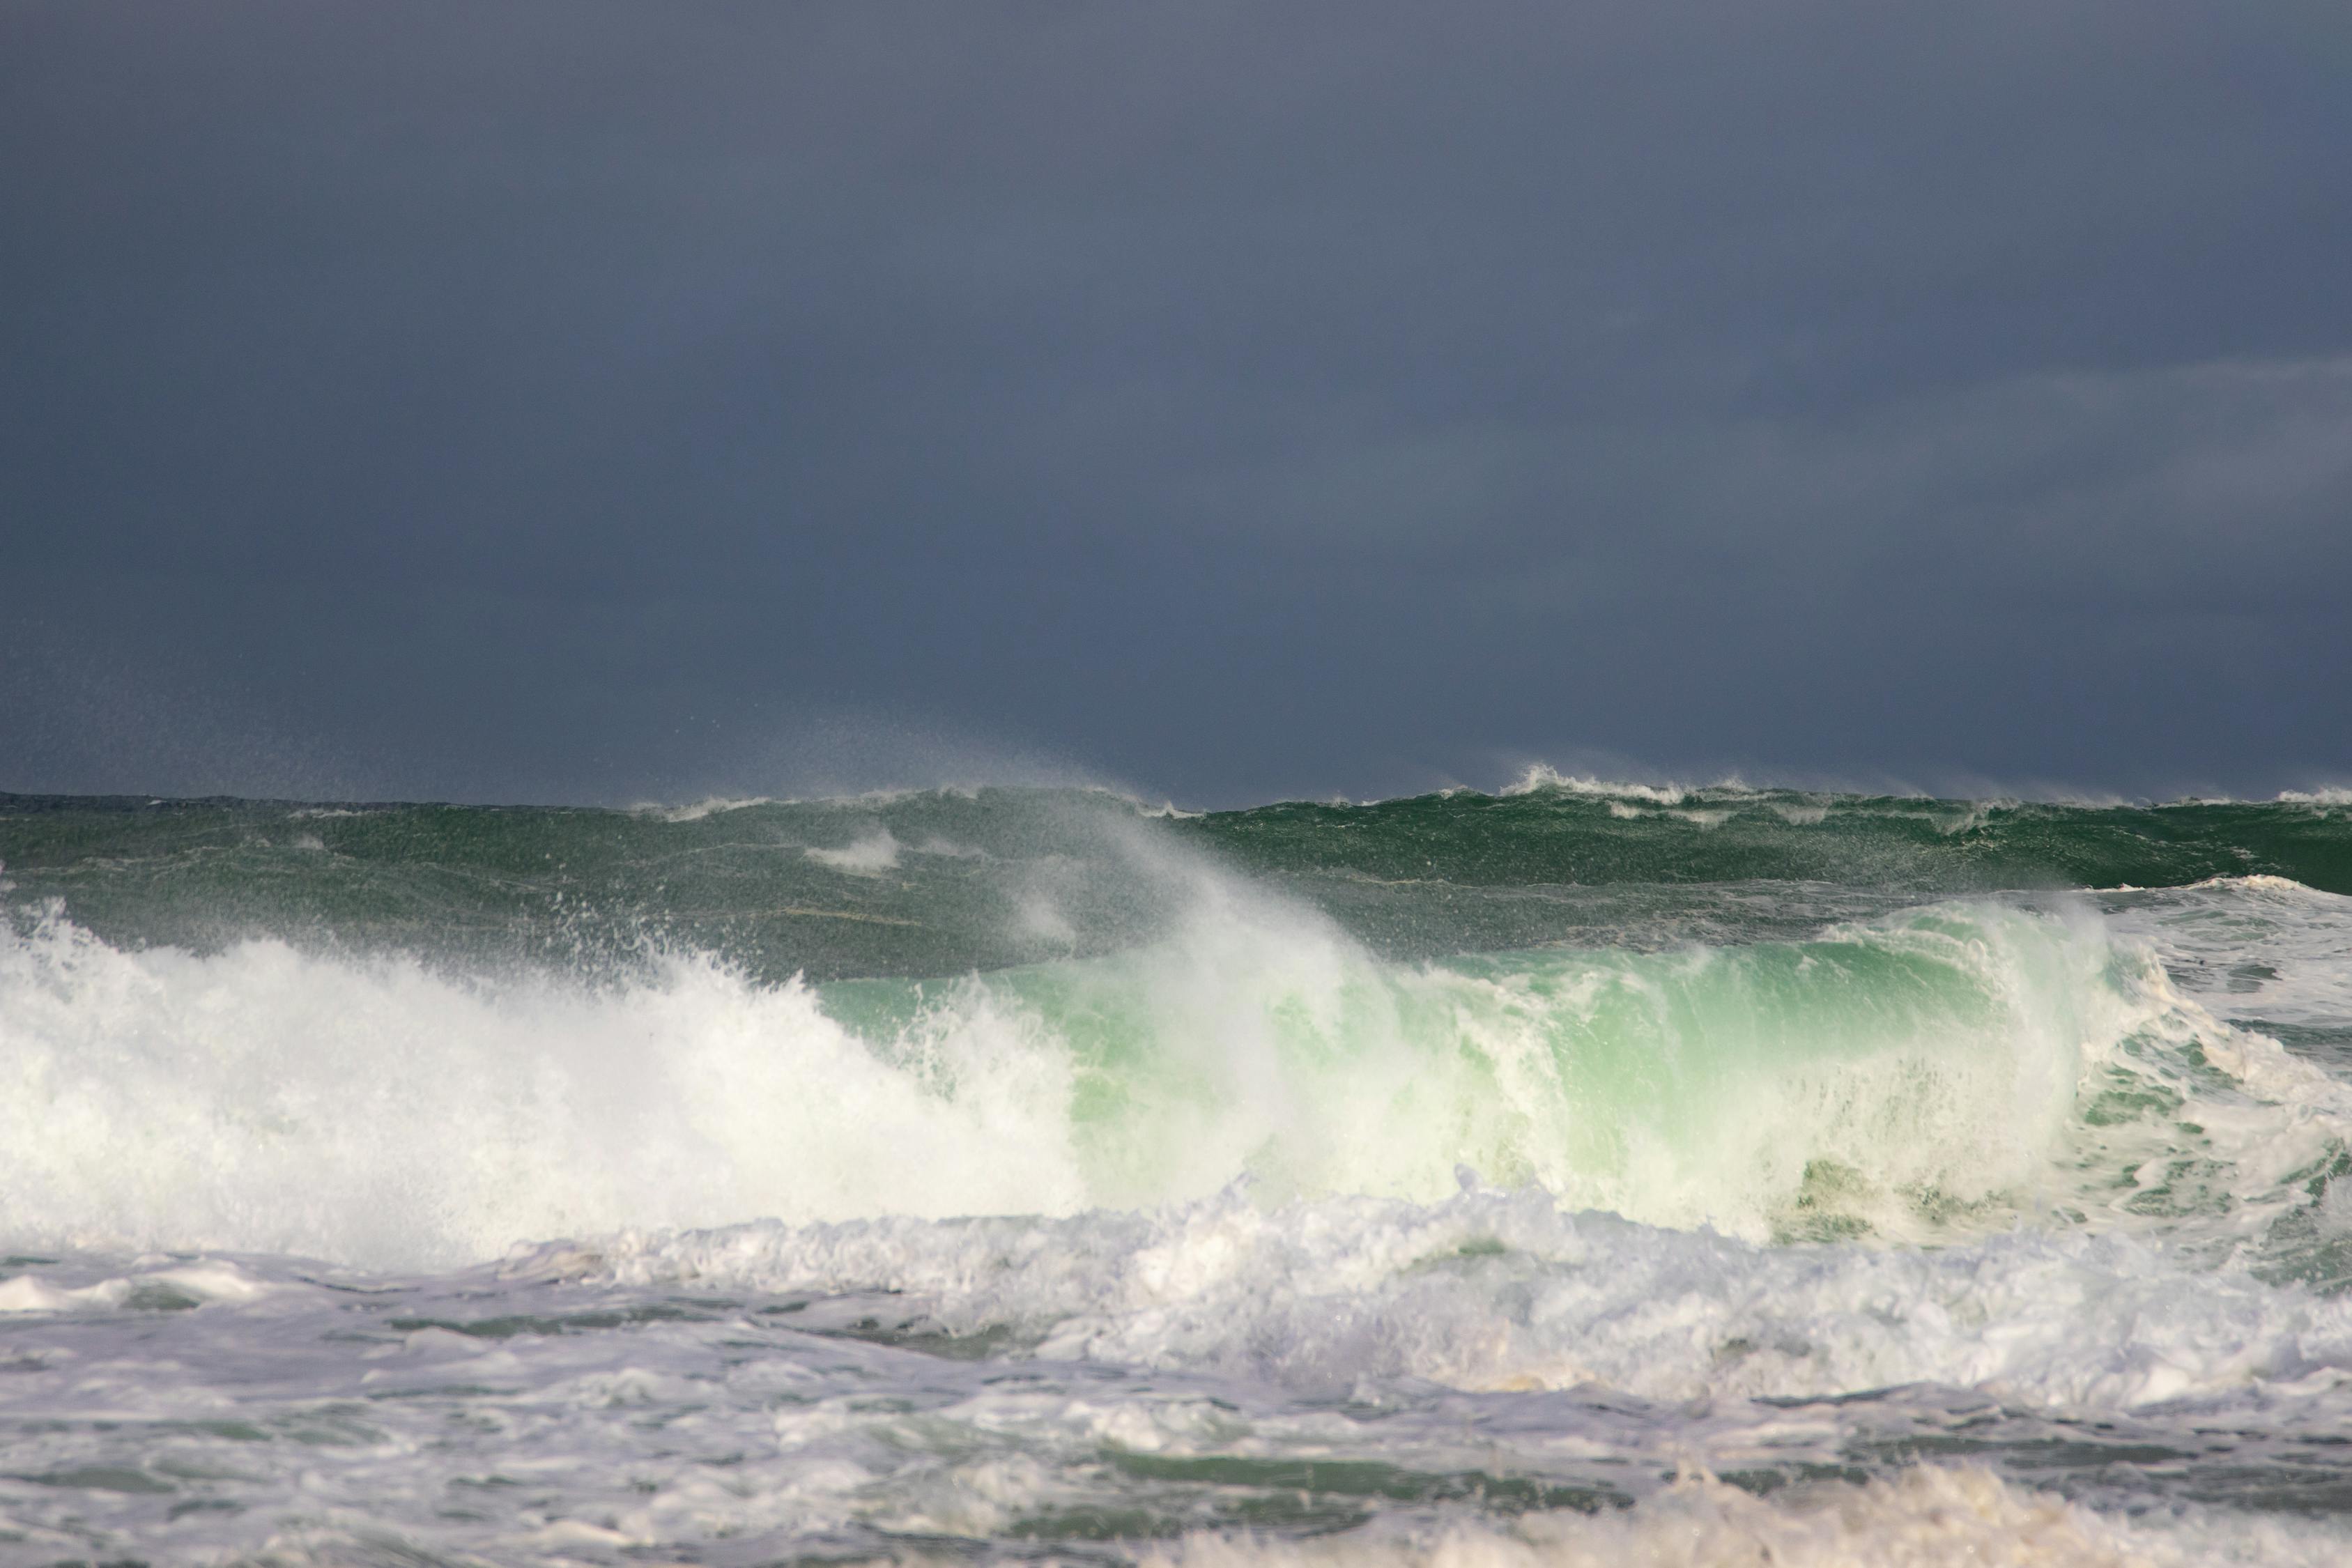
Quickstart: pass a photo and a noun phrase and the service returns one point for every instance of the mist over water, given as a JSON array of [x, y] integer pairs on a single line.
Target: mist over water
[[1029, 1169]]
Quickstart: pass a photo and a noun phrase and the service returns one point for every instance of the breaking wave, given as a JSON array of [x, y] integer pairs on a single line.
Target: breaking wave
[[1936, 1073]]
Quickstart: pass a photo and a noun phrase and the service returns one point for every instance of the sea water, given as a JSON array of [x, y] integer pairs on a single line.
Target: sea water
[[1581, 1173]]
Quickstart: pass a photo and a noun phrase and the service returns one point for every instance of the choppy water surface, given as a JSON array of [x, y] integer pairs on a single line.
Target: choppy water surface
[[1583, 1173]]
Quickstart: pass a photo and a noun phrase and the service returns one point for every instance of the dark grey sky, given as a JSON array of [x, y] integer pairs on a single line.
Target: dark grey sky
[[570, 401]]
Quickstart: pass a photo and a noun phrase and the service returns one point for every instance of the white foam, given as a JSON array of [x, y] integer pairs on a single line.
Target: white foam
[[1492, 1290], [2261, 882], [1928, 1517], [263, 1099], [2261, 949], [1540, 777], [163, 1285], [698, 810], [868, 856]]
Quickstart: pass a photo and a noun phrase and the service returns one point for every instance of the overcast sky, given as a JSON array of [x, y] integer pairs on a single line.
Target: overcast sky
[[580, 401]]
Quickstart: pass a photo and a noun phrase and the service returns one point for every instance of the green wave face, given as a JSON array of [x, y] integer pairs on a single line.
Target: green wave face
[[1942, 1072]]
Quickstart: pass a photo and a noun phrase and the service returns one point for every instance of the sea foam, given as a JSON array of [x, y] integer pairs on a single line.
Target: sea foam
[[1504, 1290], [1928, 1517]]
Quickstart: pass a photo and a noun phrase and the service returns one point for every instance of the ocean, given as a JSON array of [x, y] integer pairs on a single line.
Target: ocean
[[1578, 1173]]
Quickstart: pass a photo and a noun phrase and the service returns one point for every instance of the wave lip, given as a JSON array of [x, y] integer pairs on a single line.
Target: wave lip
[[1541, 778], [696, 811]]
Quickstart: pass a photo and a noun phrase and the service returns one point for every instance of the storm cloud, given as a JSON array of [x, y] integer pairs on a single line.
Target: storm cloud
[[587, 402]]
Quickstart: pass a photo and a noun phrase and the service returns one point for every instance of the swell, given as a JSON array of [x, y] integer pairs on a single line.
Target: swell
[[1577, 832], [944, 882]]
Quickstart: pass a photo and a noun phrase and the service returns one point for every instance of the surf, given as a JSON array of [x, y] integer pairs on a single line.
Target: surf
[[1940, 1072]]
